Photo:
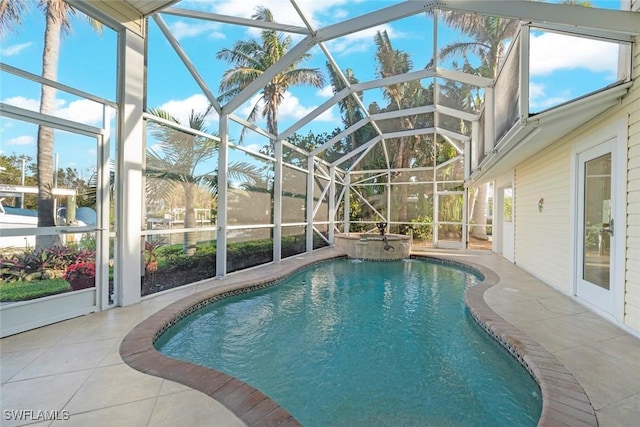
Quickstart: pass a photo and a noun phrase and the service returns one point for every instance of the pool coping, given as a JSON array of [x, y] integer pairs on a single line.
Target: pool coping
[[564, 401]]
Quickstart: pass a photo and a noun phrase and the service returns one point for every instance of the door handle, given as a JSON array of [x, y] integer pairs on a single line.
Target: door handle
[[608, 228]]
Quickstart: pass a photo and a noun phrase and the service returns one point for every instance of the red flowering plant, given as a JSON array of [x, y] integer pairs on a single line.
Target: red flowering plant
[[80, 270]]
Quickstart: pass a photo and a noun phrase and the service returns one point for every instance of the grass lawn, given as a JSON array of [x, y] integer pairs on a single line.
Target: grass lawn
[[23, 290]]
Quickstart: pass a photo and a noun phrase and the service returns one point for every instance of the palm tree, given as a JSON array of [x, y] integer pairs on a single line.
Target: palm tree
[[488, 40], [57, 23], [251, 59], [11, 14], [176, 164], [57, 16], [349, 106], [401, 96], [488, 37]]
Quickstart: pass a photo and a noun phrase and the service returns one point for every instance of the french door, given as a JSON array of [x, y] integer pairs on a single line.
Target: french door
[[596, 226]]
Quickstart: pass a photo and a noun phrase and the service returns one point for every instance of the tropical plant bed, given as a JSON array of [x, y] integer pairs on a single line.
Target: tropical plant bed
[[173, 270], [23, 290]]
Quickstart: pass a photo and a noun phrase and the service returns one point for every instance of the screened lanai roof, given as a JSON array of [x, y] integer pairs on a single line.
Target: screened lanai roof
[[494, 121]]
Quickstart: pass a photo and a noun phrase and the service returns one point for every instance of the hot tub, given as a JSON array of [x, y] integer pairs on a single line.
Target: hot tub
[[374, 246]]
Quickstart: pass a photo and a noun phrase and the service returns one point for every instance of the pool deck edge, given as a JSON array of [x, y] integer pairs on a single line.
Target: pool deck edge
[[249, 404], [564, 400]]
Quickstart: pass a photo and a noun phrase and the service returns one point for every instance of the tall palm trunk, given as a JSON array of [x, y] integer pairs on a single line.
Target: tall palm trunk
[[46, 201]]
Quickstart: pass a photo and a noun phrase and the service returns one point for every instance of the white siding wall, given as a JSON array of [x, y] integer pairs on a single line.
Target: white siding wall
[[632, 294], [542, 238], [542, 244]]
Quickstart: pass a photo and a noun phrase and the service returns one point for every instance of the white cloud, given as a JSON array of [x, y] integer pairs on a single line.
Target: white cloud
[[539, 100], [181, 109], [81, 111], [21, 140], [325, 92], [340, 14], [253, 147], [536, 90], [552, 51], [22, 102], [182, 30], [361, 41], [318, 13], [283, 11], [14, 49], [289, 109]]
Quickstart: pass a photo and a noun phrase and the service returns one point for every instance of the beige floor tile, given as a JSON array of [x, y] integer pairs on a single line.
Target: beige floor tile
[[620, 348], [38, 338], [134, 414], [69, 358], [561, 339], [584, 328], [604, 380], [557, 332], [113, 356], [506, 295], [95, 329], [41, 394], [12, 363], [114, 385], [26, 420], [621, 414], [171, 411], [171, 387], [529, 311], [562, 305]]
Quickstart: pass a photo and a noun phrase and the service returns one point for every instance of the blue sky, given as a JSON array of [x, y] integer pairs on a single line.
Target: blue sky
[[562, 68]]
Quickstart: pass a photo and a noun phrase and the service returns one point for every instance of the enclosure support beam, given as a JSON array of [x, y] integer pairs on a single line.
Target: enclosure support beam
[[332, 204], [223, 184], [388, 190], [277, 203], [311, 167], [524, 72], [489, 121], [471, 155], [130, 166], [347, 199], [102, 206]]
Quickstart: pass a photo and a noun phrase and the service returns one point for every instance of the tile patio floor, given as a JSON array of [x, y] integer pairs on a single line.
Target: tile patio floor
[[75, 366]]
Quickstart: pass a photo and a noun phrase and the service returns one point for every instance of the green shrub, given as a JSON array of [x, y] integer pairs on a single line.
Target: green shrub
[[422, 227]]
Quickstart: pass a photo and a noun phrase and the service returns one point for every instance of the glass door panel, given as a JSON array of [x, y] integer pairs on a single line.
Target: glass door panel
[[596, 263], [596, 226]]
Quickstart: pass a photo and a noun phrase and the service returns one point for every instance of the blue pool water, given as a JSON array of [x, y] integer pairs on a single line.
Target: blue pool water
[[348, 343]]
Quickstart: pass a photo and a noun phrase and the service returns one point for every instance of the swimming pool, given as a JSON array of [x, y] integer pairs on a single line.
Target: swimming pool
[[363, 343]]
